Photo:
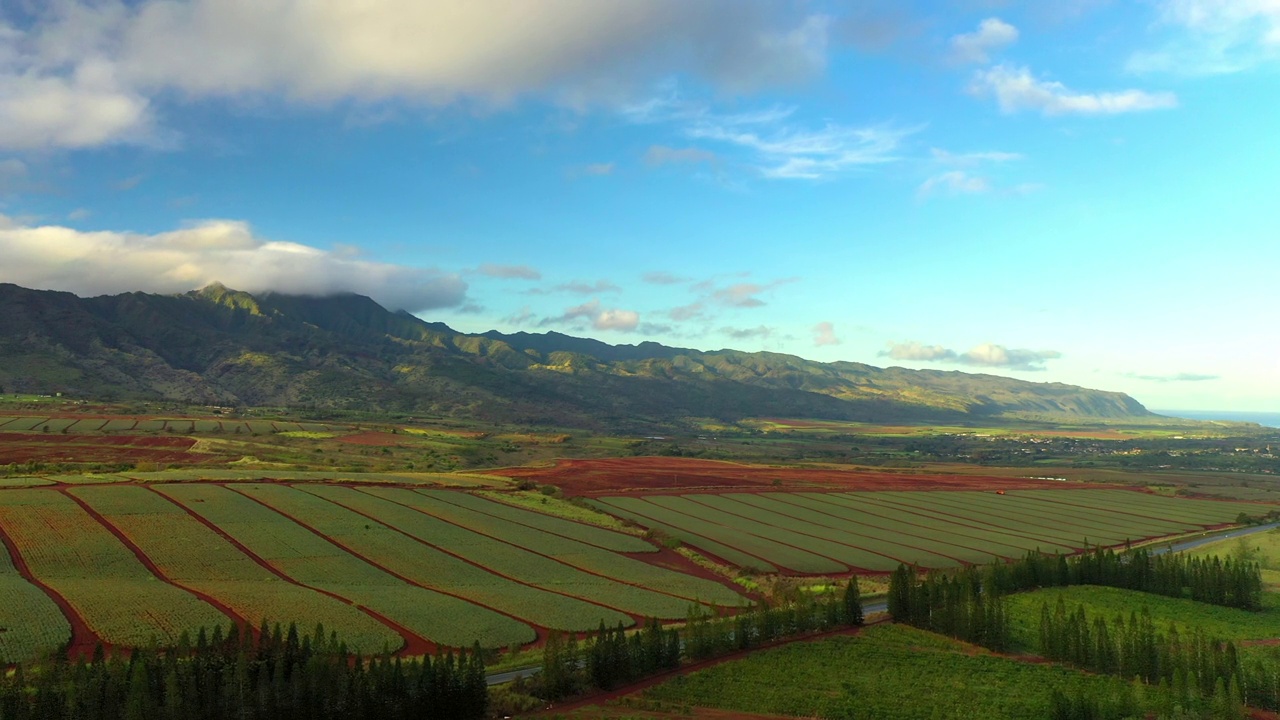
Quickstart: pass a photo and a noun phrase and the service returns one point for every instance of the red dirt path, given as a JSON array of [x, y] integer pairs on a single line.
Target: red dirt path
[[604, 476], [83, 640]]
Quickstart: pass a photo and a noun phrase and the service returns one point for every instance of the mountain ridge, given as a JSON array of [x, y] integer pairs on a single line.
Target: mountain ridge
[[224, 346]]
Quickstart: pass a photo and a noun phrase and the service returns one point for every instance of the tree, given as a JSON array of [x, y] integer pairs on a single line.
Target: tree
[[853, 603]]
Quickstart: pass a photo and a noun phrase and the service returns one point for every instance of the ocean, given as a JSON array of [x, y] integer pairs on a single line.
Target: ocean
[[1269, 419]]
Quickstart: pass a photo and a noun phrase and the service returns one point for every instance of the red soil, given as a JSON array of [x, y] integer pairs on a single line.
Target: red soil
[[72, 448], [606, 476], [373, 439]]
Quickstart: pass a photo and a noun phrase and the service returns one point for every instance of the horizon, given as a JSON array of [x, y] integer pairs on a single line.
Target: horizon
[[1067, 194]]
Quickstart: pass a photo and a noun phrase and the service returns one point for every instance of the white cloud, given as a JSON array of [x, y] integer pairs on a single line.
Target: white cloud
[[955, 182], [1213, 37], [598, 317], [51, 257], [778, 147], [598, 169], [578, 287], [917, 351], [85, 72], [985, 355], [746, 295], [660, 277], [760, 332], [508, 272], [975, 47], [663, 155], [824, 333], [1015, 89], [968, 159]]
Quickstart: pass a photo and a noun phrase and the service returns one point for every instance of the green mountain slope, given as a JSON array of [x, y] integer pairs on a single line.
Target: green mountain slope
[[222, 346]]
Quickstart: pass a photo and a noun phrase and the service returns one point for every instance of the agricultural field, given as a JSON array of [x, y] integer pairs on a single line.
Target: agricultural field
[[812, 533], [893, 672], [590, 477], [110, 589], [385, 567]]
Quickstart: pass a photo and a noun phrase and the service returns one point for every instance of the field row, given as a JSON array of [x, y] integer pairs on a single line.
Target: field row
[[196, 474], [37, 423], [823, 533], [384, 567]]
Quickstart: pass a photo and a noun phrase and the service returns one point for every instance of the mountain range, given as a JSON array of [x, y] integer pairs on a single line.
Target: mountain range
[[346, 352]]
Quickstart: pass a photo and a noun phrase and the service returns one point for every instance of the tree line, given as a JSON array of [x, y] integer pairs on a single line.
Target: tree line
[[967, 605], [610, 658], [1197, 675], [1213, 580], [273, 674]]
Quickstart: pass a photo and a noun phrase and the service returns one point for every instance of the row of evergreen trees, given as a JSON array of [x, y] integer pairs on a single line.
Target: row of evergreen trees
[[273, 674], [610, 658], [1214, 580], [1206, 676], [966, 605]]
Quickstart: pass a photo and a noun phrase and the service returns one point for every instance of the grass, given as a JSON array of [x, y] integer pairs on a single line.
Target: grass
[[1263, 548], [888, 672]]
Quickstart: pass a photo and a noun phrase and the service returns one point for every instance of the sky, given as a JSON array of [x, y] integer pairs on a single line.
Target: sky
[[1080, 191]]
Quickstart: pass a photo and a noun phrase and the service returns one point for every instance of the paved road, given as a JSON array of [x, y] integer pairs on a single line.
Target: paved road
[[1210, 537], [882, 606]]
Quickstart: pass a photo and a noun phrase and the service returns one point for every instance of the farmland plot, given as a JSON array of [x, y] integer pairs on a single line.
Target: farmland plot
[[308, 558], [429, 567], [191, 554], [812, 532], [510, 560], [571, 552], [31, 625], [115, 594]]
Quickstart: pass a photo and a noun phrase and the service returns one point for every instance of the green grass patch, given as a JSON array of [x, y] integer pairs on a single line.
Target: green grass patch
[[1219, 622], [307, 434], [889, 672]]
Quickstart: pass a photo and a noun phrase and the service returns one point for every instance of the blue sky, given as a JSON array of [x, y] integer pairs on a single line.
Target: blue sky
[[1080, 194]]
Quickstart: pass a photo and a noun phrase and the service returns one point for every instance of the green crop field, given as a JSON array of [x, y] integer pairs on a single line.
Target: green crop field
[[31, 625], [815, 532], [115, 594], [514, 561], [195, 556], [308, 558], [411, 557], [440, 504], [888, 672]]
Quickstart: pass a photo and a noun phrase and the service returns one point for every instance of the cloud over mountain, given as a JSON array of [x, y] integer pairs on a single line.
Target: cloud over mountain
[[51, 257]]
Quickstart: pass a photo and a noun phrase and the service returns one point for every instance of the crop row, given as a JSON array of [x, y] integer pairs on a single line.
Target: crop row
[[815, 532], [407, 555], [108, 586], [308, 558], [442, 504], [188, 552], [31, 625], [29, 423], [513, 561]]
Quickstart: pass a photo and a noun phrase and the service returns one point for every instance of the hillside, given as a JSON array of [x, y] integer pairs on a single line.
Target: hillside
[[221, 346]]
